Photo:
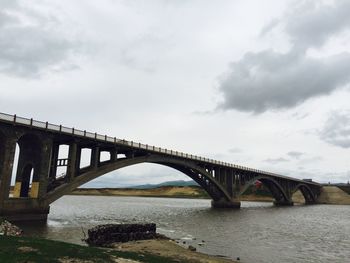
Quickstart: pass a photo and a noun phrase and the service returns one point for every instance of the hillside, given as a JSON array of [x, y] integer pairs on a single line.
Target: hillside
[[178, 183]]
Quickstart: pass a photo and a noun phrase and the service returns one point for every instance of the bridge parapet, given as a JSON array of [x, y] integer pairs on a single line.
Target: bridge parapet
[[39, 157]]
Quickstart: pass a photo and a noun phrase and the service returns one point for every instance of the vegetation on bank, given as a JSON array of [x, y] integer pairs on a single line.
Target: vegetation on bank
[[170, 191], [26, 249], [163, 191]]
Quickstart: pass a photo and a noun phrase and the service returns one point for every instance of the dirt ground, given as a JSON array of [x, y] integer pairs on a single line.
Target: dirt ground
[[168, 248]]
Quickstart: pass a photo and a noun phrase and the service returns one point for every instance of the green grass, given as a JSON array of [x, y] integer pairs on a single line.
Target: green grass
[[25, 249]]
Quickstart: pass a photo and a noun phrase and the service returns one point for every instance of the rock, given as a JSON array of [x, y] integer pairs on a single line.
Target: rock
[[191, 248], [8, 229], [104, 235]]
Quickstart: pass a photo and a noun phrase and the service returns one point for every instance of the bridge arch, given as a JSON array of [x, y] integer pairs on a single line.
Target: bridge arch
[[197, 173], [307, 193], [276, 190]]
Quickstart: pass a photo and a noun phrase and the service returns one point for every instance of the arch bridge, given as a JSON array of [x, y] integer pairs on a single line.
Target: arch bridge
[[38, 184]]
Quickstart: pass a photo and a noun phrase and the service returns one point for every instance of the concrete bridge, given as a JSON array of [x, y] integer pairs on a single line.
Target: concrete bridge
[[38, 184]]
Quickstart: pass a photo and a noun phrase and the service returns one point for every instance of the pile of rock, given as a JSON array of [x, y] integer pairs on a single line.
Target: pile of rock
[[103, 235], [8, 229]]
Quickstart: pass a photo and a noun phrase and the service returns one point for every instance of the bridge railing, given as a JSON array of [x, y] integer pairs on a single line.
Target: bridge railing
[[85, 134]]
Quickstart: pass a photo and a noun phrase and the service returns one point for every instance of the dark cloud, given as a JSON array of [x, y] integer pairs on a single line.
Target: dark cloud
[[32, 42], [276, 160], [295, 154], [311, 23], [336, 130], [271, 80]]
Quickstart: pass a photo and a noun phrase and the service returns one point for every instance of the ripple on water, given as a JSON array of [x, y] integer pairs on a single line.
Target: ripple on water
[[258, 232]]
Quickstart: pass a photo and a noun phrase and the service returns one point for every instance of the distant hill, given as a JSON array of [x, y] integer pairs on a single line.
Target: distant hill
[[168, 183]]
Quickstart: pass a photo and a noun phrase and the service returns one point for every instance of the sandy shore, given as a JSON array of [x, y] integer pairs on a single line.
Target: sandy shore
[[169, 249]]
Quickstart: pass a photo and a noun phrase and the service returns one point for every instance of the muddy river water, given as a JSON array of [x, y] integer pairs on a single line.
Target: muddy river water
[[258, 232]]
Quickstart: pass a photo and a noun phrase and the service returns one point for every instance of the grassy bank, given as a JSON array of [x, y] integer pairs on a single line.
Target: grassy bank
[[24, 249], [164, 191], [170, 191], [329, 194]]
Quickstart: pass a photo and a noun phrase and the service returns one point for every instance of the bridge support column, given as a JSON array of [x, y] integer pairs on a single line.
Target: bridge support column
[[7, 156], [28, 201], [283, 203], [44, 167], [222, 203], [72, 161], [95, 157]]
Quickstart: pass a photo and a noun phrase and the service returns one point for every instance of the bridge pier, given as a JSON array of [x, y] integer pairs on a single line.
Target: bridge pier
[[222, 203], [24, 209], [283, 203]]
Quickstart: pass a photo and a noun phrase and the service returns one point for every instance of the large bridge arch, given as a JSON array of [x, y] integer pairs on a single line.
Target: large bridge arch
[[276, 190], [197, 173]]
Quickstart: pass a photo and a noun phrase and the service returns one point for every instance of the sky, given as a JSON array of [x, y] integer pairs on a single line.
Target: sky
[[263, 84]]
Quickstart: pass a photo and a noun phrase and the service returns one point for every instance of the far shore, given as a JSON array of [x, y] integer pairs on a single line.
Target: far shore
[[165, 191], [329, 194]]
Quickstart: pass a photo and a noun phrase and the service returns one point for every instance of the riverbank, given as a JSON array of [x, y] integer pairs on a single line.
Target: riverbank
[[334, 195], [25, 249], [164, 191], [329, 194], [168, 249]]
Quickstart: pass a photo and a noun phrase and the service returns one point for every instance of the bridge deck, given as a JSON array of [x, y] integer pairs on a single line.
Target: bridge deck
[[46, 126]]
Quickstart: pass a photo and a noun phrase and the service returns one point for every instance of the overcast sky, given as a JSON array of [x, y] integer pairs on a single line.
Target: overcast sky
[[258, 83]]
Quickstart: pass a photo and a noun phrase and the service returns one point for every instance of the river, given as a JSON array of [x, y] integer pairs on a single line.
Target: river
[[256, 233]]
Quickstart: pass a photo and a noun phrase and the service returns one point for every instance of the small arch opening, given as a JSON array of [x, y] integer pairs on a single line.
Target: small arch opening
[[62, 162], [27, 180], [121, 156], [105, 156], [14, 171], [85, 158]]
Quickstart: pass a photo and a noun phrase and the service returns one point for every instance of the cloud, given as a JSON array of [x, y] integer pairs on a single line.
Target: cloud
[[235, 150], [276, 160], [32, 42], [311, 23], [270, 80], [336, 130], [295, 155], [340, 177], [311, 160]]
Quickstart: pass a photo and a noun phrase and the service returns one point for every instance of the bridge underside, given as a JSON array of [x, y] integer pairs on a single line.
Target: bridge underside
[[38, 182]]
